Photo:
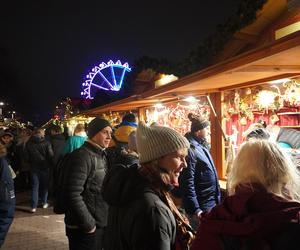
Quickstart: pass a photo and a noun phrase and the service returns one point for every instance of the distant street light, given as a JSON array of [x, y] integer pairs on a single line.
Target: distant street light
[[1, 104], [12, 114]]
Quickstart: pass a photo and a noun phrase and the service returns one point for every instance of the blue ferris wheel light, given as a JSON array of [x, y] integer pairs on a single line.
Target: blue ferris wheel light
[[106, 76]]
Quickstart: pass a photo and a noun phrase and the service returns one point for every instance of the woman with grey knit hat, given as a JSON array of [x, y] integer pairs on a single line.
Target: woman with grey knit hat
[[141, 213]]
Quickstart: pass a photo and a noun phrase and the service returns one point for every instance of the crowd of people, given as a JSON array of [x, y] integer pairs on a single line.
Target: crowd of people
[[136, 186]]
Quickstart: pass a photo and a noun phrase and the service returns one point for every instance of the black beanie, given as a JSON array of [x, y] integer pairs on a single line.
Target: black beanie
[[96, 125], [198, 123]]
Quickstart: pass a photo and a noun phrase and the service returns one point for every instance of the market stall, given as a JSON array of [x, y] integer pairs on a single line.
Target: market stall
[[274, 106], [175, 114], [239, 89]]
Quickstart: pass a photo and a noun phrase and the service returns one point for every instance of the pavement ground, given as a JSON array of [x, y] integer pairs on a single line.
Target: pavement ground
[[42, 230]]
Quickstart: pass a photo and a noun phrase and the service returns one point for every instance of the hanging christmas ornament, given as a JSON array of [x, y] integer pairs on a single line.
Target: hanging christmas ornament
[[292, 93]]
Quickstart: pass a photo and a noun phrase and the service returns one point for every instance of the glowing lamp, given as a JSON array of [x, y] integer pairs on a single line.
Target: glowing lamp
[[158, 106], [280, 81], [265, 98], [191, 99], [165, 79]]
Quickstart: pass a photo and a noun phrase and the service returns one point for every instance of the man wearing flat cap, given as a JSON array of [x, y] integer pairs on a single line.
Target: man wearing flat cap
[[86, 211], [199, 182]]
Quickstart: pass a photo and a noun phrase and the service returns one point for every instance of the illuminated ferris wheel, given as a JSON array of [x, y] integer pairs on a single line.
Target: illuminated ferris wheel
[[107, 76]]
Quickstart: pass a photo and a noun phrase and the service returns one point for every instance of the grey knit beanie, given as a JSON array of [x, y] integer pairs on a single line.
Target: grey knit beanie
[[156, 141], [197, 122]]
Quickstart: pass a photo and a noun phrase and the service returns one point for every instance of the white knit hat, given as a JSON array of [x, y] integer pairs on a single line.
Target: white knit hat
[[156, 141]]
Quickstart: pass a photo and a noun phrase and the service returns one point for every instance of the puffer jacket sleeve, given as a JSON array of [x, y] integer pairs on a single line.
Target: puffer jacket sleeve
[[49, 149], [49, 153], [154, 230], [79, 168], [187, 184], [7, 199]]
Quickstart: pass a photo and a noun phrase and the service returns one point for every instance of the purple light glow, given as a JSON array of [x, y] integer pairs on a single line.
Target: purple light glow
[[107, 76]]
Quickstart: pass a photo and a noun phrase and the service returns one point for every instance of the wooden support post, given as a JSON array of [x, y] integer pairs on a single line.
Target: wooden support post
[[217, 139]]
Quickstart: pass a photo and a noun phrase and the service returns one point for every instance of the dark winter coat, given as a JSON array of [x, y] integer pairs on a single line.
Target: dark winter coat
[[127, 158], [250, 219], [22, 159], [138, 218], [39, 153], [58, 143], [199, 182], [11, 157], [7, 197], [84, 203]]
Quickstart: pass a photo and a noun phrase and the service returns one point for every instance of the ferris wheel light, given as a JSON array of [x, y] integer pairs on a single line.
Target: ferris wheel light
[[102, 78]]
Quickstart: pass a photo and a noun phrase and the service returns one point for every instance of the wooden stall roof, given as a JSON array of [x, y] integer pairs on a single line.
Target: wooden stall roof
[[253, 34], [280, 59]]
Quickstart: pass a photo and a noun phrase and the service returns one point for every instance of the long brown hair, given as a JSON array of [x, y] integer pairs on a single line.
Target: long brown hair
[[158, 178], [160, 182]]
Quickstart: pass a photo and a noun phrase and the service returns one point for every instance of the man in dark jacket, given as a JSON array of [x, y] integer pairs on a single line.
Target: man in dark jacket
[[118, 146], [86, 211], [40, 156], [199, 181], [7, 196], [58, 141]]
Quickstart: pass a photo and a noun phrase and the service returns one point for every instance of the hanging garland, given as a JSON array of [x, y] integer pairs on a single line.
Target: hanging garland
[[292, 93], [262, 99], [175, 115]]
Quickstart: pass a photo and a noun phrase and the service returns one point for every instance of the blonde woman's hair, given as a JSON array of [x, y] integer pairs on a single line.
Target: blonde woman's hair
[[263, 162], [79, 128]]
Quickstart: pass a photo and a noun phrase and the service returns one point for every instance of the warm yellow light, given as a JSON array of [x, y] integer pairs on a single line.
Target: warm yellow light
[[279, 81], [287, 30], [159, 105], [191, 99], [265, 98], [165, 79], [193, 106]]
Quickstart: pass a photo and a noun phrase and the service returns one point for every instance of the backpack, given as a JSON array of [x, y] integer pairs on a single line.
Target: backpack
[[115, 152], [59, 179]]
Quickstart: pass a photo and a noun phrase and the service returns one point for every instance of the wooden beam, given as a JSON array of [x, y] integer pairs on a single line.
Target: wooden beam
[[270, 68], [260, 81]]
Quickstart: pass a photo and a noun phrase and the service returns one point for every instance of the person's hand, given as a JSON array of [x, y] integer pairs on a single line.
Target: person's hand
[[198, 215], [92, 231]]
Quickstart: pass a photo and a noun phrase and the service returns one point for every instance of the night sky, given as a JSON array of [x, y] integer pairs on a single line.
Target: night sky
[[47, 47]]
